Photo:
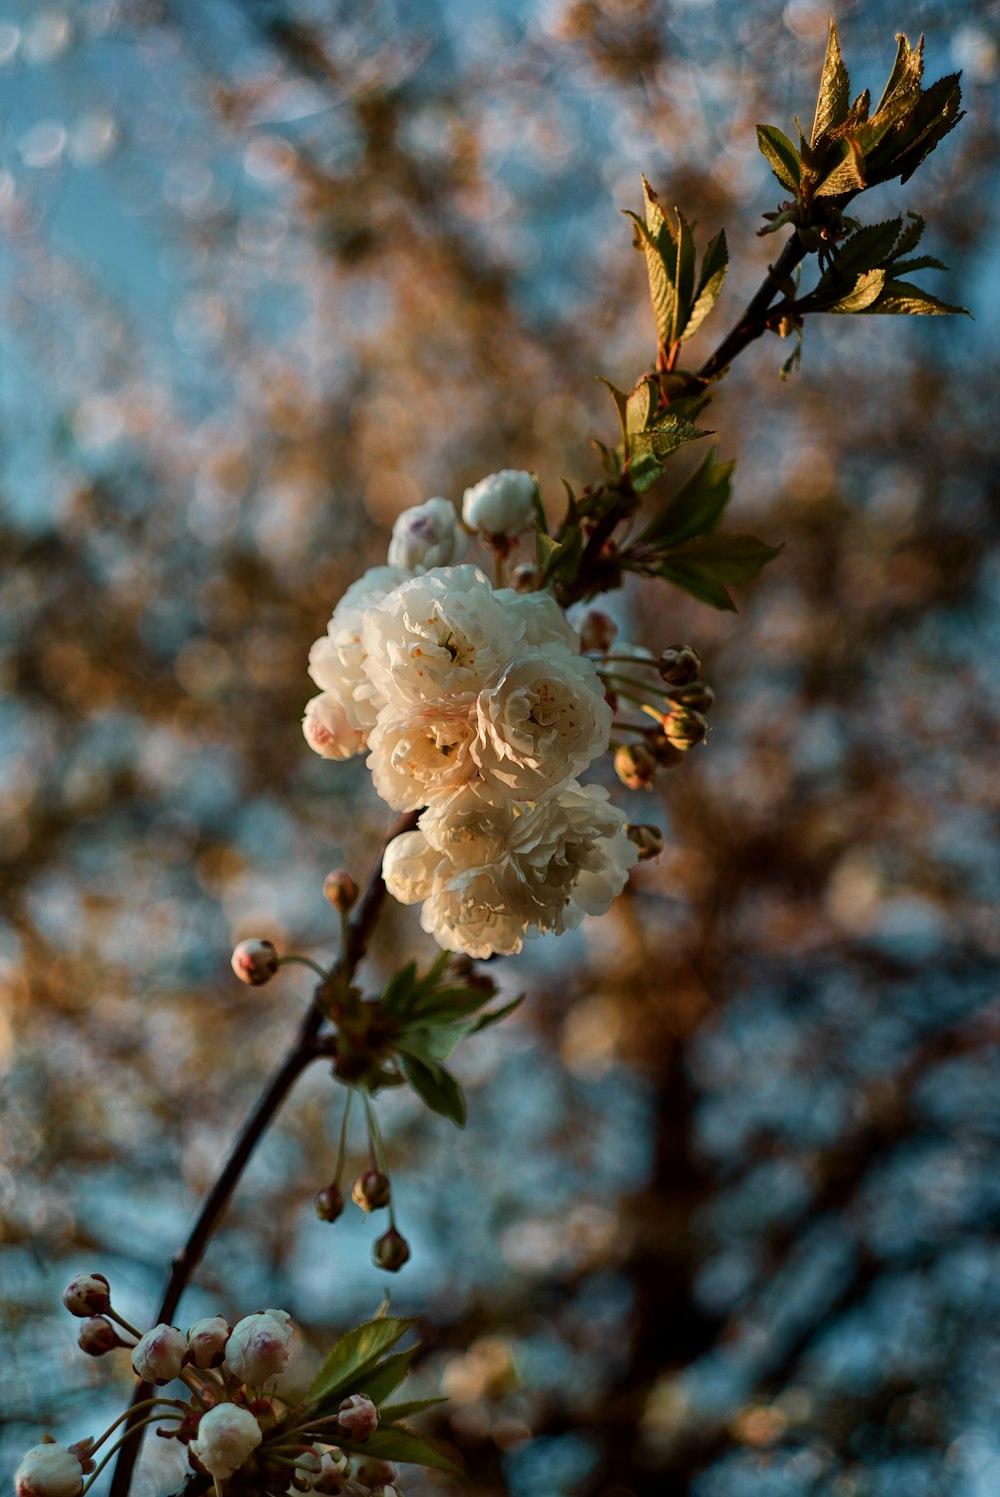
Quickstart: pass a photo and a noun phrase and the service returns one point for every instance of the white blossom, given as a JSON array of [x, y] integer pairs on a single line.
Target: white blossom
[[439, 635], [227, 1437], [336, 660], [428, 535], [541, 720], [545, 623], [573, 856], [424, 752], [159, 1356], [500, 504], [48, 1470], [258, 1348], [328, 729]]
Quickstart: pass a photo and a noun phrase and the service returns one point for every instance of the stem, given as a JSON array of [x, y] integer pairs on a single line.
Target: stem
[[754, 320], [303, 961], [342, 1146], [133, 1429], [300, 1052], [147, 1403]]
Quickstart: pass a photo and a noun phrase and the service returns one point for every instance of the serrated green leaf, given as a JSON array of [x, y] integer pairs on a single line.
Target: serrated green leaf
[[381, 1380], [563, 562], [643, 471], [834, 90], [867, 248], [696, 508], [918, 262], [848, 175], [661, 254], [683, 276], [664, 438], [436, 1088], [496, 1014], [399, 990], [355, 1353], [640, 404], [713, 273], [935, 116], [705, 566], [910, 236], [901, 299], [781, 155], [621, 404], [906, 73], [867, 288], [394, 1443], [391, 1413], [431, 1042]]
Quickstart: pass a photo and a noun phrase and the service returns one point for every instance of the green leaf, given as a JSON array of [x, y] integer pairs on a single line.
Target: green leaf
[[907, 70], [910, 237], [696, 508], [706, 565], [935, 116], [394, 1443], [683, 276], [664, 438], [641, 404], [399, 990], [643, 471], [391, 1412], [541, 523], [355, 1353], [834, 90], [432, 1042], [713, 273], [902, 299], [656, 240], [867, 288], [621, 403], [918, 262], [848, 175], [495, 1015], [867, 248], [436, 1088], [564, 559], [782, 156], [386, 1376]]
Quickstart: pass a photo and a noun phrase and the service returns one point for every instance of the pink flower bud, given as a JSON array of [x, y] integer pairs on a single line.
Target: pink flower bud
[[48, 1470], [98, 1336], [206, 1341], [371, 1191], [258, 1349], [160, 1355], [371, 1472], [331, 1472], [227, 1437], [341, 890], [328, 1203], [391, 1251], [597, 631], [357, 1418], [255, 962], [87, 1294]]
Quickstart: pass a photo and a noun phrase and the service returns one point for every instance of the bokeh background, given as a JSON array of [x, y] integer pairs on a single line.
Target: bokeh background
[[724, 1221]]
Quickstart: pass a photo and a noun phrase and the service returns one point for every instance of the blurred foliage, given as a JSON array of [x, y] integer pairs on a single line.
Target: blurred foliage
[[725, 1217]]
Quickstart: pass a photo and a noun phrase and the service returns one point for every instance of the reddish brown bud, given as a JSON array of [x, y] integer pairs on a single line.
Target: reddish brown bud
[[391, 1251], [524, 577], [648, 839], [371, 1191], [255, 962], [98, 1336], [597, 631], [341, 890], [87, 1294], [680, 665], [328, 1203], [696, 698], [684, 729], [635, 766]]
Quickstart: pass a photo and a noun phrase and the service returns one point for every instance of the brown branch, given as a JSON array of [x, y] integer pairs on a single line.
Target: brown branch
[[303, 1049]]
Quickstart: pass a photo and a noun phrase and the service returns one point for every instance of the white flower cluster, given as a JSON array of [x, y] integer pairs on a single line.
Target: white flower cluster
[[476, 707]]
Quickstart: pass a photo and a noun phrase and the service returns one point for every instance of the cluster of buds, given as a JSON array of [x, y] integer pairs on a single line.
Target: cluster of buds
[[331, 1471], [685, 725], [681, 722]]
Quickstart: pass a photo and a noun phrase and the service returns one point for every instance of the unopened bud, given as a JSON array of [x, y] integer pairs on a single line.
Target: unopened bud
[[357, 1418], [341, 890], [98, 1336], [680, 665], [697, 697], [371, 1191], [597, 631], [328, 1203], [48, 1470], [501, 505], [206, 1341], [371, 1472], [635, 766], [684, 729], [255, 962], [332, 1473], [391, 1251], [258, 1349], [160, 1355], [648, 839], [87, 1294], [524, 577]]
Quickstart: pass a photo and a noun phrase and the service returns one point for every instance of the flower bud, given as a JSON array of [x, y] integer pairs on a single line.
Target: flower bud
[[48, 1470], [390, 1251], [206, 1341], [597, 631], [635, 766], [501, 504], [227, 1436], [328, 1203], [84, 1452], [255, 962], [648, 839], [371, 1191], [87, 1294], [357, 1418], [331, 1472], [160, 1355], [258, 1349], [371, 1472], [524, 577], [341, 890], [428, 535], [696, 698], [328, 730], [684, 729], [98, 1336], [679, 665]]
